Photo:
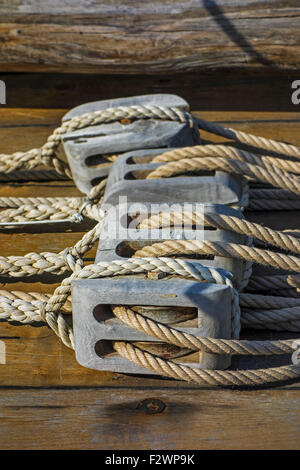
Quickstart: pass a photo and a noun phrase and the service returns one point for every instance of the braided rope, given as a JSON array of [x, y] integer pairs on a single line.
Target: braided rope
[[30, 160], [33, 264], [50, 209], [42, 209], [20, 160], [23, 307], [24, 202]]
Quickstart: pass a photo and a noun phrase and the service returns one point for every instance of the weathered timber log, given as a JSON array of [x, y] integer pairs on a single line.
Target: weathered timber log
[[148, 37]]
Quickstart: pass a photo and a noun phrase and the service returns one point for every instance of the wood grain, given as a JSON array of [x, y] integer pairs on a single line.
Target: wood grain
[[149, 37], [102, 419]]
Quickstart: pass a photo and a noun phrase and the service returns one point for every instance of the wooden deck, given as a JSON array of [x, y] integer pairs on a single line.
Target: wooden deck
[[46, 399]]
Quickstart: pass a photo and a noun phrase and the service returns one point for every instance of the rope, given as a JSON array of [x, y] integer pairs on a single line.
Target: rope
[[47, 153], [272, 199], [23, 307], [36, 175], [30, 160], [285, 319], [169, 266], [257, 311], [171, 335], [224, 151], [51, 209], [41, 209], [267, 301], [19, 160], [123, 267], [224, 222], [229, 250], [34, 202], [272, 193], [277, 178], [279, 281], [250, 139], [273, 205], [33, 264], [205, 377]]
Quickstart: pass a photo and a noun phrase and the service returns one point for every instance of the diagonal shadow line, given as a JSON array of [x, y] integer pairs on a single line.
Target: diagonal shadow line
[[230, 30]]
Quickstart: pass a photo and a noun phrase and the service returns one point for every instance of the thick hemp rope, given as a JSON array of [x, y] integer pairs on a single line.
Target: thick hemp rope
[[274, 176], [17, 306], [224, 222], [272, 199], [224, 151], [275, 281], [229, 250], [205, 376]]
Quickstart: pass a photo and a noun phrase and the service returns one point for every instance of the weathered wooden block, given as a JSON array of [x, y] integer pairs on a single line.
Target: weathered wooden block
[[88, 149], [120, 237], [128, 178], [96, 328]]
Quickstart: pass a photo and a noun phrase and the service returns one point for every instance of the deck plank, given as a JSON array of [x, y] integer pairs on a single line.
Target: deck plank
[[102, 419]]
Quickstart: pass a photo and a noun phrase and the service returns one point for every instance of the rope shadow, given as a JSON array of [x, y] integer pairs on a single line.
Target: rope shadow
[[234, 35]]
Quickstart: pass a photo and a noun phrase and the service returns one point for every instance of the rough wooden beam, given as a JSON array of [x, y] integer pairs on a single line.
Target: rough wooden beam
[[148, 37]]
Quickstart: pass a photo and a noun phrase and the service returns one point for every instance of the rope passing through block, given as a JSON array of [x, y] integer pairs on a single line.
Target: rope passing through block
[[180, 331]]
